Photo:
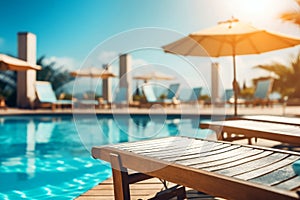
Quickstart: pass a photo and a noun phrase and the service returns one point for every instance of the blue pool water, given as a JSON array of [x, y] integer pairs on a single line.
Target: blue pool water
[[46, 157]]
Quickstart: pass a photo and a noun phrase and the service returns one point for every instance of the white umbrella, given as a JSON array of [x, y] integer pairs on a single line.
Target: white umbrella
[[15, 64], [93, 72], [153, 76], [230, 38]]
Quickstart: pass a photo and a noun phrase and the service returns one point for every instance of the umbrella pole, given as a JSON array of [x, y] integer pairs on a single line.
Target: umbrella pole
[[235, 86], [91, 88]]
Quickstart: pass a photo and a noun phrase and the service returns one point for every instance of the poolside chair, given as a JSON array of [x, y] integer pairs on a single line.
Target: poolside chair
[[231, 130], [261, 94], [225, 99], [194, 96], [221, 169], [151, 98], [172, 91], [47, 98]]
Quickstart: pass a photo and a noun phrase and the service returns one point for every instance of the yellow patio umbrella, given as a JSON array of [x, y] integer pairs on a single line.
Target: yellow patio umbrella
[[230, 38], [15, 64]]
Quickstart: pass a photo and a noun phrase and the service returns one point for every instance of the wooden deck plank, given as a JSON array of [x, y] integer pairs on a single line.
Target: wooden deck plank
[[142, 190]]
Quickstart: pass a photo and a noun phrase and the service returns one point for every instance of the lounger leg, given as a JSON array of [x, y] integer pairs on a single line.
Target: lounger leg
[[249, 141], [120, 178]]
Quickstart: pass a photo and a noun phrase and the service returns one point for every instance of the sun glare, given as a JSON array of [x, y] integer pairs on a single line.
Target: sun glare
[[257, 10]]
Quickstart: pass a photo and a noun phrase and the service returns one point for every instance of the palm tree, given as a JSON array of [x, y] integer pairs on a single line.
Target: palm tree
[[58, 76], [292, 15], [288, 82]]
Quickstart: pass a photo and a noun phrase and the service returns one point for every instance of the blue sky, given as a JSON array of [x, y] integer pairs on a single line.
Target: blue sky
[[68, 30]]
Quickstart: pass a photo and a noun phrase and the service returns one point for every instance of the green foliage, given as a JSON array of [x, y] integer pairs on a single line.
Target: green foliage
[[205, 97], [8, 80], [8, 87], [163, 96], [139, 98], [246, 93], [57, 76], [292, 15], [288, 82]]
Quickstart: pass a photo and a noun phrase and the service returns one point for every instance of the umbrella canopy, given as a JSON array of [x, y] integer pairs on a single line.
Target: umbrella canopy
[[153, 76], [92, 72], [230, 38], [15, 64]]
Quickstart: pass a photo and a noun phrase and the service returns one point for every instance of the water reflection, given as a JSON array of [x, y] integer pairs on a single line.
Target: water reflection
[[35, 150], [116, 129]]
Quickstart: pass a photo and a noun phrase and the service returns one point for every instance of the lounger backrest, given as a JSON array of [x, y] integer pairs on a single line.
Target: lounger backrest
[[263, 89], [196, 92], [227, 94], [172, 90], [45, 92], [149, 93]]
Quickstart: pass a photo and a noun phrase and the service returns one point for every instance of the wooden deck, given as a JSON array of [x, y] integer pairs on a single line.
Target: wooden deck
[[142, 190]]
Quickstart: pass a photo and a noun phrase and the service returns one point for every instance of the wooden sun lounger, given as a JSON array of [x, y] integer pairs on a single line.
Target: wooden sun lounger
[[249, 129], [221, 169], [271, 118]]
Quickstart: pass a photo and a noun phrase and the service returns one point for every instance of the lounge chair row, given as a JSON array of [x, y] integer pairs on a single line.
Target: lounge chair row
[[171, 97], [47, 97], [261, 95]]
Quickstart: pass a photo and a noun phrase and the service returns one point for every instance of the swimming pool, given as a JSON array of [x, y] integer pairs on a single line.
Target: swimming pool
[[46, 157]]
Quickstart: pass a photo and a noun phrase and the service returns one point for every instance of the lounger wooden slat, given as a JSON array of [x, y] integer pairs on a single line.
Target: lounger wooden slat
[[250, 166], [276, 177], [269, 168], [178, 148], [231, 159], [148, 143], [290, 184], [166, 146], [200, 158], [192, 151], [273, 119], [191, 154], [239, 161], [278, 132], [215, 183]]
